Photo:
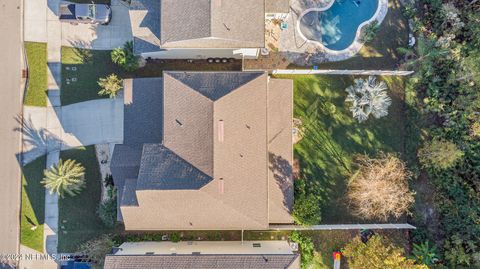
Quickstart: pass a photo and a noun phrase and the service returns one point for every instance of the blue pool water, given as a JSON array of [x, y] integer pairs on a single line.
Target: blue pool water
[[336, 27]]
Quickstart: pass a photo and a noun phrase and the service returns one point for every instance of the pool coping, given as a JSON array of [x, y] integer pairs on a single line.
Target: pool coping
[[356, 45]]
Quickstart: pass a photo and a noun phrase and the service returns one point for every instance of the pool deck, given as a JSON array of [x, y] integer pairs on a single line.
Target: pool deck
[[300, 51]]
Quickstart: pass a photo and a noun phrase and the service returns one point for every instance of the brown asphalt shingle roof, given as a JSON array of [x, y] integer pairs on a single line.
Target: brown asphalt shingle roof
[[212, 24], [277, 6], [269, 261], [205, 176]]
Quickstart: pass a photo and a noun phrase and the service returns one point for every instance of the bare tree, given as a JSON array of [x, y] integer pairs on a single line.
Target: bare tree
[[379, 188]]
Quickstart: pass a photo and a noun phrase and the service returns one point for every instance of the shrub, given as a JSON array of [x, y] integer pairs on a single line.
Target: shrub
[[125, 58], [110, 85], [65, 177], [97, 248], [439, 154], [175, 237], [424, 254], [377, 253], [107, 211], [306, 247], [108, 181], [370, 31], [306, 210], [379, 188]]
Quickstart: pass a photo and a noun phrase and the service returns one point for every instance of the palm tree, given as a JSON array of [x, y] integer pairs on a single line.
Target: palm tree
[[110, 85], [368, 98], [65, 177]]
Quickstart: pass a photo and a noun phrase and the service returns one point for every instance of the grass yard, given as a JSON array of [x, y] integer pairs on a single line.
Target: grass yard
[[36, 94], [78, 220], [91, 65], [33, 205], [332, 138], [381, 53]]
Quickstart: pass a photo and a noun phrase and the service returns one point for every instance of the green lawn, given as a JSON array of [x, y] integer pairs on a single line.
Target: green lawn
[[93, 64], [33, 205], [78, 220], [36, 94], [332, 138], [381, 53]]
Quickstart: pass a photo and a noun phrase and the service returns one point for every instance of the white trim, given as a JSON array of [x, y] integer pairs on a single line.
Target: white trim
[[341, 72], [328, 227]]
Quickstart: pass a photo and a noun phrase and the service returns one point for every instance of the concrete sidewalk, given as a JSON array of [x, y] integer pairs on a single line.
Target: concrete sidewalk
[[49, 129]]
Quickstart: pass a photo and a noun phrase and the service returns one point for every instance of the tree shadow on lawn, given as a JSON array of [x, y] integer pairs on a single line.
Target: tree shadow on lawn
[[332, 138], [33, 204]]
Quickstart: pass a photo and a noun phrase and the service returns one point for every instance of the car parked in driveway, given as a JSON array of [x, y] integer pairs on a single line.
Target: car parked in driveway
[[85, 13]]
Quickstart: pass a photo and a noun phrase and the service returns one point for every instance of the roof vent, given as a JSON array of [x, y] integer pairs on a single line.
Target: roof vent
[[220, 130], [179, 122], [221, 185]]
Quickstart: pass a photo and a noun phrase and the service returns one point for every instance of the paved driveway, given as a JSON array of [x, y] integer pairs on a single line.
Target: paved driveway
[[102, 37], [48, 129]]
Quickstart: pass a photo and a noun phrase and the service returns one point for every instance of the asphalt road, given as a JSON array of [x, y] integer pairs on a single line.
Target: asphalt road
[[10, 141]]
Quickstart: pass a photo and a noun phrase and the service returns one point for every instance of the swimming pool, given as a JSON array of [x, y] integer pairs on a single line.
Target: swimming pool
[[336, 27]]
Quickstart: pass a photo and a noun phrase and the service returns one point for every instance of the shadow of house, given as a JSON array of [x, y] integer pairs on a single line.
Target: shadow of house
[[145, 19]]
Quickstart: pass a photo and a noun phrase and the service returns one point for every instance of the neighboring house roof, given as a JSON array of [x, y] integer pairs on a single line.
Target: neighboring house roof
[[212, 24], [145, 23], [203, 255], [166, 24], [277, 6], [281, 261], [225, 158]]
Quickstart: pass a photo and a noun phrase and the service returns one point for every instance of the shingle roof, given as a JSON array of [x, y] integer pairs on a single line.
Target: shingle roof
[[267, 261], [143, 98], [162, 169], [277, 6], [214, 85], [129, 197], [145, 23], [212, 24], [216, 139]]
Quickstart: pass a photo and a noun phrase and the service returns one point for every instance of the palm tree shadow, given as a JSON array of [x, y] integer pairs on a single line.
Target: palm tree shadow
[[36, 142]]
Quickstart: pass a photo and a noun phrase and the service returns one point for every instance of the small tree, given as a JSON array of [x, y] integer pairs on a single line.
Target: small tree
[[377, 253], [367, 97], [125, 57], [379, 189], [307, 248], [96, 249], [370, 31], [439, 154], [107, 211], [65, 177], [424, 254], [110, 85], [306, 210]]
